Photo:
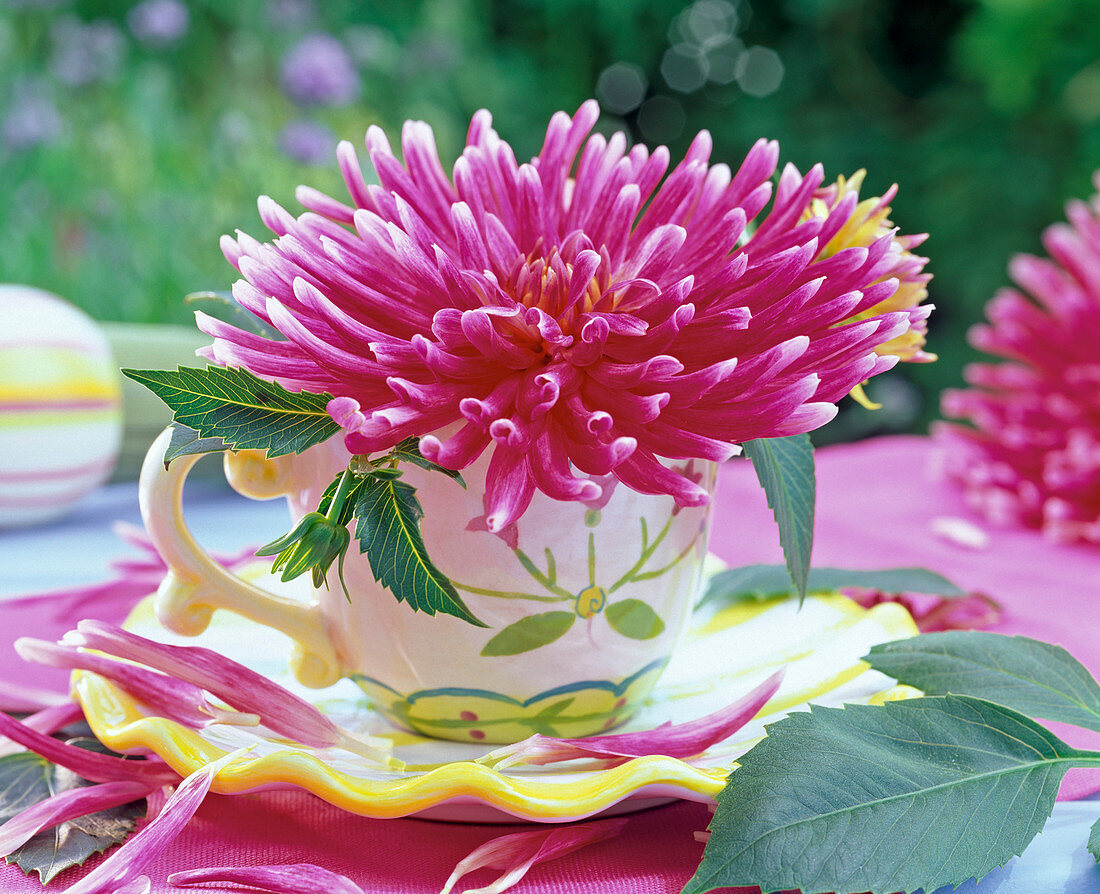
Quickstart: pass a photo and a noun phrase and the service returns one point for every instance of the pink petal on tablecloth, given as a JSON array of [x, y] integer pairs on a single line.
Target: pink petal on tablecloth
[[123, 868], [518, 852], [680, 740], [292, 878], [65, 806], [87, 764]]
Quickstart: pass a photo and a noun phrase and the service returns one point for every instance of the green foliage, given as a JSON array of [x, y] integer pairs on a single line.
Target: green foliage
[[1094, 840], [531, 632], [27, 779], [634, 619], [914, 794], [761, 582], [389, 533], [984, 112], [1035, 678], [241, 409], [785, 467]]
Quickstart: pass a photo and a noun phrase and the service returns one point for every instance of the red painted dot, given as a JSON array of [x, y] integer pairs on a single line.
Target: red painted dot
[[477, 734], [620, 703], [468, 715], [611, 721]]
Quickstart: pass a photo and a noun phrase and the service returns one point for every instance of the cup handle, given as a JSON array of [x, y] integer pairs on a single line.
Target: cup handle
[[196, 585]]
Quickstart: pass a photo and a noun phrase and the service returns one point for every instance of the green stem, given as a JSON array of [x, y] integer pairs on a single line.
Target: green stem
[[336, 507]]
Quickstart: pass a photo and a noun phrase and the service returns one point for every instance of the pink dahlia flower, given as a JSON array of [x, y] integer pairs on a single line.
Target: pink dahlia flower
[[1032, 454], [579, 316]]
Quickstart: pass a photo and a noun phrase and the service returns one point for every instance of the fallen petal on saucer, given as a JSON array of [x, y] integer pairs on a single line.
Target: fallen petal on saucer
[[518, 852], [122, 871], [169, 696], [65, 806], [292, 878], [679, 740], [280, 710]]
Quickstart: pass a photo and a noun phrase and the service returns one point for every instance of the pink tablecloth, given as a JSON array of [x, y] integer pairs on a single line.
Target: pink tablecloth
[[876, 509]]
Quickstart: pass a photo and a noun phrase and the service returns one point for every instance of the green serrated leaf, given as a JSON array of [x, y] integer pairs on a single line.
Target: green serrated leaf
[[185, 441], [244, 411], [785, 467], [760, 582], [1094, 841], [389, 533], [25, 780], [634, 619], [225, 307], [913, 794], [532, 632], [1035, 678], [409, 451]]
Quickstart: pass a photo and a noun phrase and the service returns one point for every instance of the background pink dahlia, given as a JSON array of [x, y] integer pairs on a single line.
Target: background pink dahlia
[[580, 315], [1032, 453]]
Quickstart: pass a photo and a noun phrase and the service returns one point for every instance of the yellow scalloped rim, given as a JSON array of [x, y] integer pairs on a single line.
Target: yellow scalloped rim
[[120, 725], [540, 794]]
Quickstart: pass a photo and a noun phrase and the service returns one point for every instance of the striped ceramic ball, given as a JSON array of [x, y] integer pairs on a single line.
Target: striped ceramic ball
[[60, 406]]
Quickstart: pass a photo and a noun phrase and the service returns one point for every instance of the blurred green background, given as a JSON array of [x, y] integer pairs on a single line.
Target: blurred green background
[[132, 135]]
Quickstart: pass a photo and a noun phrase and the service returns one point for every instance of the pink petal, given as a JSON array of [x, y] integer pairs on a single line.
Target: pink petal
[[87, 764], [125, 865], [17, 697], [681, 740], [518, 852], [67, 805], [50, 720], [291, 878], [175, 699], [249, 692]]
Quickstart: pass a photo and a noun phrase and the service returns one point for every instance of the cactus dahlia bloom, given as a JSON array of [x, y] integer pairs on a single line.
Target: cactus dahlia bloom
[[581, 315], [1032, 456]]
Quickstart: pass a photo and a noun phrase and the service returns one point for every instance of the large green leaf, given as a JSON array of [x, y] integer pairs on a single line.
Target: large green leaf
[[1035, 678], [1094, 841], [389, 533], [635, 619], [241, 409], [760, 582], [785, 467], [532, 632], [25, 780], [913, 794]]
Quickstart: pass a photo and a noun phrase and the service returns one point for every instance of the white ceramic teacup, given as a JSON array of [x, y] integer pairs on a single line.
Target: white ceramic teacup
[[582, 614]]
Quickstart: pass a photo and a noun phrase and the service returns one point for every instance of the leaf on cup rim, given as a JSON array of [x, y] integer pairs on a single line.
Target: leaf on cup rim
[[680, 740], [245, 411]]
